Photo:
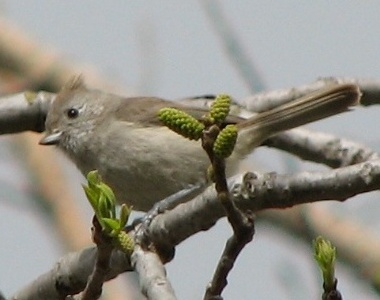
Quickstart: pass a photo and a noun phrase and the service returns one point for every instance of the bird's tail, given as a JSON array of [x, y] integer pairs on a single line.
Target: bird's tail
[[309, 108]]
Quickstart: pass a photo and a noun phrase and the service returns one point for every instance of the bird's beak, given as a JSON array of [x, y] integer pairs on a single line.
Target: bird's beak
[[51, 138]]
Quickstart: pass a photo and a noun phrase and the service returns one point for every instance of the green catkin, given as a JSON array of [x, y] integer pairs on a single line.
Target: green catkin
[[125, 242], [181, 123], [220, 108], [225, 141]]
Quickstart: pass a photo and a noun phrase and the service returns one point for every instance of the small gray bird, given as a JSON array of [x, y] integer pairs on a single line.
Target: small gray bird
[[142, 160]]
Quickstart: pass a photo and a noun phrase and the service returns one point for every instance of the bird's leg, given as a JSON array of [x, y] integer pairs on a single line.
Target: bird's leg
[[142, 233], [167, 204]]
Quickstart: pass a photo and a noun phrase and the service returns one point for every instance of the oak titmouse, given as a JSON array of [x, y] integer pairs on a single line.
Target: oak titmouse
[[142, 160]]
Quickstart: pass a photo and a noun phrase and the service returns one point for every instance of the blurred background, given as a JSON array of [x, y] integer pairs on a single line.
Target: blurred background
[[174, 49]]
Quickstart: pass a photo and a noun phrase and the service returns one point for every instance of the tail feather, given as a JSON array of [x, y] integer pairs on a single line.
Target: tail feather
[[309, 108]]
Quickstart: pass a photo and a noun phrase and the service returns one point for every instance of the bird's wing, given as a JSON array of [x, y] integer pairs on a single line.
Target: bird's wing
[[147, 109]]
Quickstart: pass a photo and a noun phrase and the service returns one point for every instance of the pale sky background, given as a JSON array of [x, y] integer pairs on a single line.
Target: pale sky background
[[169, 49]]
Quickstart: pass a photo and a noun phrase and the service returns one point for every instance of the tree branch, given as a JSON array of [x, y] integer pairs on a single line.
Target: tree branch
[[24, 112], [259, 192], [69, 275], [253, 191], [152, 275], [260, 102], [321, 147]]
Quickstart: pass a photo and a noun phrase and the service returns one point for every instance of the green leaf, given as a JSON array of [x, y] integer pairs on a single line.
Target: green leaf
[[325, 255], [93, 178], [109, 197], [107, 191], [102, 208], [125, 211], [112, 223], [91, 196]]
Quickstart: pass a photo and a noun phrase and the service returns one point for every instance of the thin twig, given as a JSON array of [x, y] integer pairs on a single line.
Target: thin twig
[[101, 269], [242, 222], [331, 293], [234, 246]]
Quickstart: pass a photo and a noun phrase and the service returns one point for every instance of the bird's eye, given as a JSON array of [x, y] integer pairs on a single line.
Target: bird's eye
[[72, 113]]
